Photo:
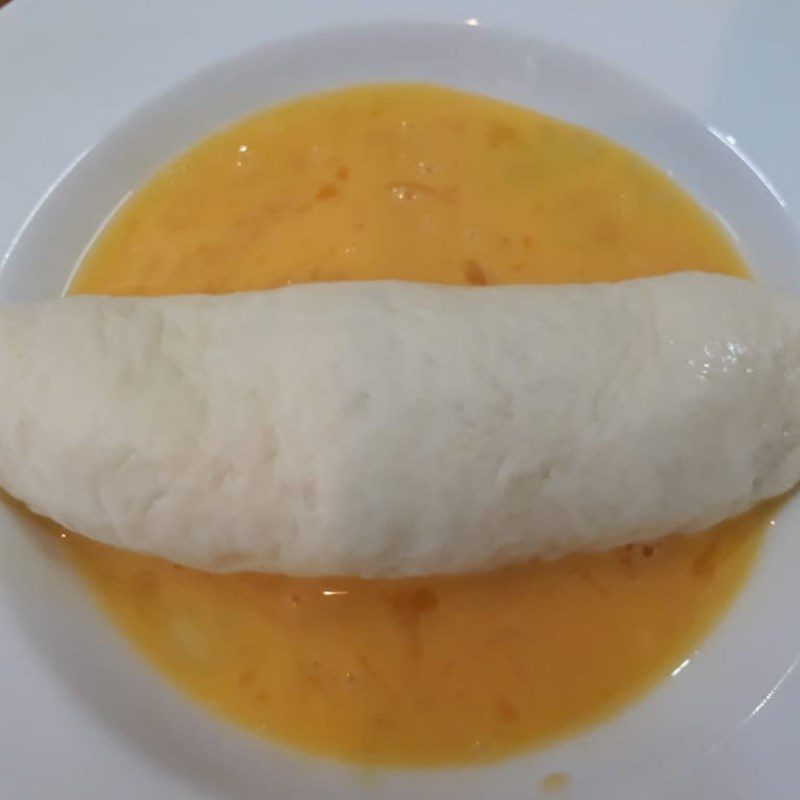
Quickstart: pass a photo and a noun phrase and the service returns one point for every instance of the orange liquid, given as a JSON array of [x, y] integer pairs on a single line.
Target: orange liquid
[[419, 183]]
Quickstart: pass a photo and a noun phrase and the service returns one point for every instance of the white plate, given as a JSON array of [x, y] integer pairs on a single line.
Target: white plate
[[83, 716]]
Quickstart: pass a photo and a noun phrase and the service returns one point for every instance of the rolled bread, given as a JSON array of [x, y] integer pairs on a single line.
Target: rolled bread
[[388, 429]]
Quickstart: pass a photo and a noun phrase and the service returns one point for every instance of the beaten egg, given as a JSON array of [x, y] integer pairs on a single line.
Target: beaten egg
[[418, 183]]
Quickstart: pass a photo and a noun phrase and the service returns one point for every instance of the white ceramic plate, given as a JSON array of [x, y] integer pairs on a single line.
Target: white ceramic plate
[[83, 716]]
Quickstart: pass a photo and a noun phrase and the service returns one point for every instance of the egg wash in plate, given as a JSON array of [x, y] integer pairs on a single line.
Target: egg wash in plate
[[417, 183]]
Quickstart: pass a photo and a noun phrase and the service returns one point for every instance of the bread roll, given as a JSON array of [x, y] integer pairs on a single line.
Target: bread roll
[[394, 429]]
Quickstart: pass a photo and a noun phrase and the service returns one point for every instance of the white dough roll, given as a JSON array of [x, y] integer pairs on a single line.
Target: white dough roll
[[392, 429]]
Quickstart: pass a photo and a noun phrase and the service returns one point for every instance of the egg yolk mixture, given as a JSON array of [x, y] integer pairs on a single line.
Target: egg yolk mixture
[[426, 184]]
